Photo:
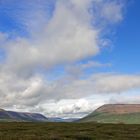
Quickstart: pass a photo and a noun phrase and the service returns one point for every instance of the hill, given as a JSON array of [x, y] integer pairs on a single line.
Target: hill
[[10, 116], [115, 113]]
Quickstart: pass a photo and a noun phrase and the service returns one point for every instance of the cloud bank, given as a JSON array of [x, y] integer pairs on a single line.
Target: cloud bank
[[59, 33]]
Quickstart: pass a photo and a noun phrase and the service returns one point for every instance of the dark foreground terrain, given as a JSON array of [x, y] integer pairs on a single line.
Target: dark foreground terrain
[[68, 131]]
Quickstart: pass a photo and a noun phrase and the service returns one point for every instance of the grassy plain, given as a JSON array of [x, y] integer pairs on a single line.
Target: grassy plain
[[68, 131]]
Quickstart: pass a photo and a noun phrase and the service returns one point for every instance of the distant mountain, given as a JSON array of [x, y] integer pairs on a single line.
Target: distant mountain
[[62, 120], [115, 113], [11, 116]]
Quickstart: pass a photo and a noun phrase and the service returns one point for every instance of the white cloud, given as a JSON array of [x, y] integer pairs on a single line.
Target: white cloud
[[117, 83], [68, 35], [65, 108], [71, 108], [59, 42], [108, 12], [97, 84], [66, 97], [35, 90], [112, 11]]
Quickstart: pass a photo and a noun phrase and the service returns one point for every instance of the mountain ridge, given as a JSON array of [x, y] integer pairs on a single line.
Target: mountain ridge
[[6, 115], [115, 113], [119, 108]]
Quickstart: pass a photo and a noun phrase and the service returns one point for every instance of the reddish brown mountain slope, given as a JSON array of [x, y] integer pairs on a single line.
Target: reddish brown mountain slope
[[119, 108], [115, 113]]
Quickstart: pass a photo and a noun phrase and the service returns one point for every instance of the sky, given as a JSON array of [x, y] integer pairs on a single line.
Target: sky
[[65, 58]]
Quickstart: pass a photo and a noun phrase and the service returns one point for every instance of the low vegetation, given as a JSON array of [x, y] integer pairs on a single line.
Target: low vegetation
[[132, 118], [68, 131]]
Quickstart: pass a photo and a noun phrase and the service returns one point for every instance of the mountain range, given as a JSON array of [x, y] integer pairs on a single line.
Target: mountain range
[[109, 113], [10, 116]]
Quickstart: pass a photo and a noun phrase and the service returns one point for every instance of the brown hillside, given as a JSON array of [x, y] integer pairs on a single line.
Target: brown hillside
[[119, 108]]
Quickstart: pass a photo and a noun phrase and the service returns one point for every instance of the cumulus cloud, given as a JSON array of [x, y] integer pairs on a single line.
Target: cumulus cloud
[[36, 89], [71, 108], [59, 42], [69, 33], [124, 99], [67, 36], [109, 12], [117, 83], [96, 84], [112, 11], [66, 108]]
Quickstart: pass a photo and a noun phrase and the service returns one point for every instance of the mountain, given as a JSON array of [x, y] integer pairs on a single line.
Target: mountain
[[115, 113], [62, 119], [21, 116]]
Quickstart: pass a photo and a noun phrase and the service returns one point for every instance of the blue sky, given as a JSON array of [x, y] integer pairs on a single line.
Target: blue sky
[[71, 56], [128, 35], [125, 52]]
